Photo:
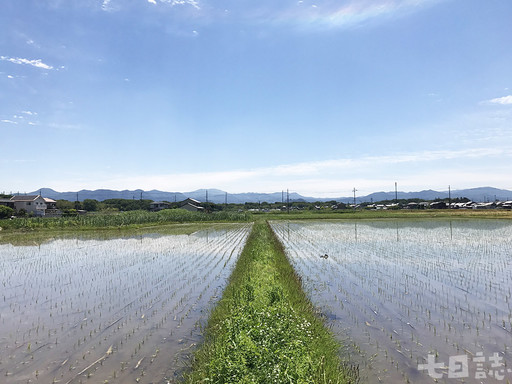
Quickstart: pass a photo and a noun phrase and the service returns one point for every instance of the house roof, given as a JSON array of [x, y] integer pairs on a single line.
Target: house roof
[[48, 200], [24, 197], [192, 205], [194, 201]]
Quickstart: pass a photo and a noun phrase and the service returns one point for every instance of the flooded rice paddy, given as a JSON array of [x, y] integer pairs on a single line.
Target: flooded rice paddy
[[413, 301], [125, 310]]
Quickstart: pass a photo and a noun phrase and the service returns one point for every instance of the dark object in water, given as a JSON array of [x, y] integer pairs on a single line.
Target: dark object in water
[[324, 256]]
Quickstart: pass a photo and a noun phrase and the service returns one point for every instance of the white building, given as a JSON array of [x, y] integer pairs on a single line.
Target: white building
[[30, 203]]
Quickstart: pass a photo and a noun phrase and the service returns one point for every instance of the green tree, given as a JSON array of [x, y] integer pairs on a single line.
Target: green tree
[[6, 212], [64, 205], [127, 204], [90, 205]]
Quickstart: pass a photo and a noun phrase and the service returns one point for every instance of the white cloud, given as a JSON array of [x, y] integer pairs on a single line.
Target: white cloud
[[330, 178], [105, 4], [35, 63], [8, 121], [336, 14], [505, 100], [108, 5], [65, 127], [193, 3]]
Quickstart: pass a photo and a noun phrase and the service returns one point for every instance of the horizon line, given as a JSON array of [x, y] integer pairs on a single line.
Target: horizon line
[[252, 192]]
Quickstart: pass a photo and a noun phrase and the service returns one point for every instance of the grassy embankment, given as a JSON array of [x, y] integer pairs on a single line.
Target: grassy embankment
[[121, 219], [387, 214], [264, 329], [137, 219]]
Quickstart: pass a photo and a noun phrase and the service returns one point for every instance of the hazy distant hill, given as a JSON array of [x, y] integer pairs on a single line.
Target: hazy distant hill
[[104, 194], [217, 196]]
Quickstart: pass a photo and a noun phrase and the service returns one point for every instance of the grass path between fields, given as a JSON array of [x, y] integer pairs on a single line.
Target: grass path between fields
[[264, 329]]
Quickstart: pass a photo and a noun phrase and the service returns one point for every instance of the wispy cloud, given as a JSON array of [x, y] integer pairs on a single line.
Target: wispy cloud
[[105, 5], [505, 100], [6, 121], [38, 63], [323, 14], [332, 14], [111, 5], [193, 3], [65, 127]]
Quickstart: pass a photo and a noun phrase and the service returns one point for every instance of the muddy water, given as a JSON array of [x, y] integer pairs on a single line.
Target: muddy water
[[412, 301], [119, 311]]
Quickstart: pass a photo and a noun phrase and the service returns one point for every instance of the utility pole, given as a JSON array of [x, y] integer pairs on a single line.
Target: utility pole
[[396, 194], [287, 201], [354, 190], [449, 197], [206, 195], [226, 199]]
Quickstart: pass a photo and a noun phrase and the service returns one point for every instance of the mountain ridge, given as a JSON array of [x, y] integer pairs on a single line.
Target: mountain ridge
[[479, 194]]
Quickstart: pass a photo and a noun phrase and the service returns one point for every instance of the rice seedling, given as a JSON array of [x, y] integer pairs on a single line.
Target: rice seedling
[[401, 290], [88, 310]]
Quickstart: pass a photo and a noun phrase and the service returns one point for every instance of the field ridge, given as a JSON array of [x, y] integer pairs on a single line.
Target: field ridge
[[264, 329]]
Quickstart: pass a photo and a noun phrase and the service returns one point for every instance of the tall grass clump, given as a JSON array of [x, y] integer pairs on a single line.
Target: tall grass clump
[[264, 329], [120, 219]]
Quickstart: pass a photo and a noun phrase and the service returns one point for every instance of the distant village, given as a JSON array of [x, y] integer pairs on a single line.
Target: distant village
[[39, 206]]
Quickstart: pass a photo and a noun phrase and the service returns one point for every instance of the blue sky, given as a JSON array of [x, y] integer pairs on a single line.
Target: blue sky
[[315, 96]]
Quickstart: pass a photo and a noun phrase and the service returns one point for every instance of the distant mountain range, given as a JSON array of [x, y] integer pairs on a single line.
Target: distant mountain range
[[481, 194]]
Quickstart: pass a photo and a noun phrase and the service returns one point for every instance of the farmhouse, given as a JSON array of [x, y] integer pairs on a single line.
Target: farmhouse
[[438, 205], [191, 205], [50, 203], [34, 204], [505, 205], [51, 208], [490, 205]]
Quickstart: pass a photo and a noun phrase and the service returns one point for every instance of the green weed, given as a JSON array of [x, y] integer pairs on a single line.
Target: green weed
[[264, 329]]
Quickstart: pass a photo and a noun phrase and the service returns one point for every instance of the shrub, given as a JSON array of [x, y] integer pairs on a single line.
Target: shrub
[[5, 212]]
